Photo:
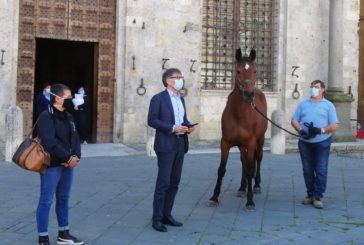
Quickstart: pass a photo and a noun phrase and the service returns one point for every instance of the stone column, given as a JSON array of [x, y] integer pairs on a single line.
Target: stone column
[[334, 91], [278, 139], [361, 66], [150, 142], [14, 131]]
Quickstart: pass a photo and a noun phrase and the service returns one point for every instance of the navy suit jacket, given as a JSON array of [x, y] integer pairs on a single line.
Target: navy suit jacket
[[161, 117]]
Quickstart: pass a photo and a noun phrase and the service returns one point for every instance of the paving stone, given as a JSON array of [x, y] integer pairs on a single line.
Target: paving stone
[[111, 203]]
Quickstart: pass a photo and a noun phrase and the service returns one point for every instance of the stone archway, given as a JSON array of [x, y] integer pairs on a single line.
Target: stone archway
[[74, 20]]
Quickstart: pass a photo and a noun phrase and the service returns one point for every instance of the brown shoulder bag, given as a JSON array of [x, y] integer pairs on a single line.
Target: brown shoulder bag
[[31, 155]]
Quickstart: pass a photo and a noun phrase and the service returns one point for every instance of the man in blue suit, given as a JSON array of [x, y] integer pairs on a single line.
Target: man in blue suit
[[167, 114]]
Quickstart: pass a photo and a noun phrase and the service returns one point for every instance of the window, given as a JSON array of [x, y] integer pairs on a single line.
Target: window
[[229, 24]]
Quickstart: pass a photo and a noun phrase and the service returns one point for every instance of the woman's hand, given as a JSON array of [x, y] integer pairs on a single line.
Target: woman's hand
[[72, 162]]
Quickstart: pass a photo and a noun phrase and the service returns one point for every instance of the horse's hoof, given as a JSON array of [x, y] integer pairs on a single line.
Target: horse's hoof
[[257, 190], [240, 194], [250, 208], [212, 203]]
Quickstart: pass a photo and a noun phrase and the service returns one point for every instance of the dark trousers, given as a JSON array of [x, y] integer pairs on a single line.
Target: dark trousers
[[315, 159], [169, 175], [81, 124]]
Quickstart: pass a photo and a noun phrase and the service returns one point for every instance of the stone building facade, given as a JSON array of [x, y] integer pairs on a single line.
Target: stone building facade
[[309, 40]]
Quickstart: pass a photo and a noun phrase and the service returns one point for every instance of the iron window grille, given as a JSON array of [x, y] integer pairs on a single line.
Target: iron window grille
[[229, 24]]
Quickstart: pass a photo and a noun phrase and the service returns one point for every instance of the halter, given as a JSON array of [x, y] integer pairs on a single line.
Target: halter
[[241, 89]]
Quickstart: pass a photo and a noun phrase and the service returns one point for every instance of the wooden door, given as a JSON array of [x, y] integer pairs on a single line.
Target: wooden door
[[76, 20]]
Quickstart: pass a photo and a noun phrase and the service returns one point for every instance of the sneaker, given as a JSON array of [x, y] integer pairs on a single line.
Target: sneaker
[[317, 203], [43, 240], [65, 238], [308, 200]]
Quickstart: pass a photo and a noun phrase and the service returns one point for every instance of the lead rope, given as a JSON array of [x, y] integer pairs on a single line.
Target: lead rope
[[256, 108]]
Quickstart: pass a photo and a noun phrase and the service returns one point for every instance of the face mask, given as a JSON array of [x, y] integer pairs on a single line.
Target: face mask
[[68, 104], [178, 84], [47, 90], [314, 92]]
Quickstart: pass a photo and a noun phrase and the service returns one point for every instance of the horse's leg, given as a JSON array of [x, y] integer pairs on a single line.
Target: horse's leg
[[258, 159], [242, 189], [225, 147], [250, 166]]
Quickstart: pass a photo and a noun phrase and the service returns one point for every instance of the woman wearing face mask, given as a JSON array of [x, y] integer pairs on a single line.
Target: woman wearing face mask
[[315, 119], [57, 133]]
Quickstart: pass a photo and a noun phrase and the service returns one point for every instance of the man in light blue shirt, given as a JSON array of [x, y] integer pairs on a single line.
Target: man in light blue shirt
[[167, 114], [315, 119]]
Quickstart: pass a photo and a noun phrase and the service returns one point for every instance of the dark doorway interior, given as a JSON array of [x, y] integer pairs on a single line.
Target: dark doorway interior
[[70, 63]]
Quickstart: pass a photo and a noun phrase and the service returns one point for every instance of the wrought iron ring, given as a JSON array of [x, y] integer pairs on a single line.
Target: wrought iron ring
[[141, 90], [296, 94]]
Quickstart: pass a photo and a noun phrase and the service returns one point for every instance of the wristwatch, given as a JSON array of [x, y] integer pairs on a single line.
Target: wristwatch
[[323, 131]]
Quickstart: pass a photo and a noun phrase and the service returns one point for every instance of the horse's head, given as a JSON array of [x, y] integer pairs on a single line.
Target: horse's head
[[245, 74]]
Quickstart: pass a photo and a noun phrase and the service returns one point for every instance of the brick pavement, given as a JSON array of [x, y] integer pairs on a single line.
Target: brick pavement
[[111, 203]]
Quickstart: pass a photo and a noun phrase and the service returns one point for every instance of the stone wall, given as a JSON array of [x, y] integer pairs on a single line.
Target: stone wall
[[9, 22], [302, 39], [150, 32], [351, 54], [306, 46]]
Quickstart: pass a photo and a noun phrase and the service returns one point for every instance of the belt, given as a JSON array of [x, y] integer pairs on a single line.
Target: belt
[[180, 136]]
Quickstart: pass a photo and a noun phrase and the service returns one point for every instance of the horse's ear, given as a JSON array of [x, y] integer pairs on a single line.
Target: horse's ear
[[238, 55], [252, 54]]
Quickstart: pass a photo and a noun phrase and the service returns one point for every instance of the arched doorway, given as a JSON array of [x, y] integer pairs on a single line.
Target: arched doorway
[[90, 22]]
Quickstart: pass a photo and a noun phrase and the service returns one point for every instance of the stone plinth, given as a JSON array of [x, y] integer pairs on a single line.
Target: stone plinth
[[342, 104], [14, 131], [278, 139], [150, 142]]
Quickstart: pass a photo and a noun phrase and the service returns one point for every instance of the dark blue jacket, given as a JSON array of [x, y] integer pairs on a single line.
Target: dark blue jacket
[[57, 133], [40, 104], [161, 117]]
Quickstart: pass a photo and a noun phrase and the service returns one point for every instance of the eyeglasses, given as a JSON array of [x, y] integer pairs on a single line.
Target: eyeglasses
[[315, 87], [179, 77]]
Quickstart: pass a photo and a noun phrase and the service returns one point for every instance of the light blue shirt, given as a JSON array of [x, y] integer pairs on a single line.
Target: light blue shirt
[[178, 109], [322, 114]]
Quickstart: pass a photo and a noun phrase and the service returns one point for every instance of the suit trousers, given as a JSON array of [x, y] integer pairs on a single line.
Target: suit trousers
[[169, 175]]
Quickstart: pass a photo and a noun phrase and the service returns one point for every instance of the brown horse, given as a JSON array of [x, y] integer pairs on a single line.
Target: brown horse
[[244, 127]]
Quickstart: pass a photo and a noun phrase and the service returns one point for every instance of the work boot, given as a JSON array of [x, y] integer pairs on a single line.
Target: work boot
[[317, 203], [308, 200]]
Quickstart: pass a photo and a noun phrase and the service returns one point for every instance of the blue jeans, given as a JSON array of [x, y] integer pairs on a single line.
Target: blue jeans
[[315, 158], [55, 180]]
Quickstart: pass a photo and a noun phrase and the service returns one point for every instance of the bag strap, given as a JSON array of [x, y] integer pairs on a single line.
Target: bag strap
[[31, 131], [50, 110]]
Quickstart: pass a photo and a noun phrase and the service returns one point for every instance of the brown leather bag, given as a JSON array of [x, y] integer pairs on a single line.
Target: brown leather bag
[[31, 155]]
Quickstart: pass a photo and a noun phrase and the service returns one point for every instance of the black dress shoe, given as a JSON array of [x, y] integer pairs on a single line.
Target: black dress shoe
[[158, 226], [171, 221]]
